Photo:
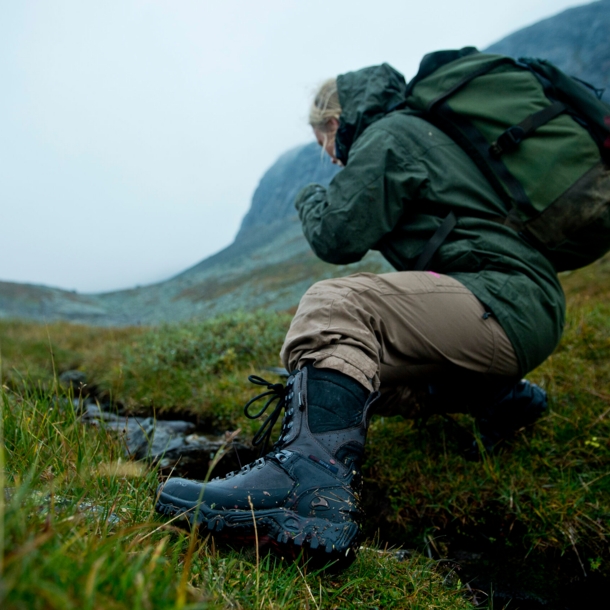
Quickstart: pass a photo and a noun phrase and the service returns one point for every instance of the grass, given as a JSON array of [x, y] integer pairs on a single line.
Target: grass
[[79, 532], [539, 510], [199, 367]]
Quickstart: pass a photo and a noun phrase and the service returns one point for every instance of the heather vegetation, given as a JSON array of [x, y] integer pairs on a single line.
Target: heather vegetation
[[78, 523]]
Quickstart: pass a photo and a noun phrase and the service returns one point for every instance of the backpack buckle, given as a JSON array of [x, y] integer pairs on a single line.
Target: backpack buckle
[[508, 141]]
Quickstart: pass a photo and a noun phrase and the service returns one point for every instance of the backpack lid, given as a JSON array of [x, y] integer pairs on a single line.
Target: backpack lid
[[433, 61]]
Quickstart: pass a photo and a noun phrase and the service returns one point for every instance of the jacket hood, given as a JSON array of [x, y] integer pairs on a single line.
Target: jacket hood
[[366, 96]]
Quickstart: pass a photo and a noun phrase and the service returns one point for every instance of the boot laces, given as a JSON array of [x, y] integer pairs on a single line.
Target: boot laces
[[244, 469], [279, 395]]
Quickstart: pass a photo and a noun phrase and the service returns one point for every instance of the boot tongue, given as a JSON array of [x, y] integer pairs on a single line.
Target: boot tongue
[[334, 401]]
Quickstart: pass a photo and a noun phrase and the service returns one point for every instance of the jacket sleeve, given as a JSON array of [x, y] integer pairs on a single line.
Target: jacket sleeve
[[364, 201]]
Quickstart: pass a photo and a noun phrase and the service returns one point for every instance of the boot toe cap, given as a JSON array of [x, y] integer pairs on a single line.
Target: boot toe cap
[[180, 489]]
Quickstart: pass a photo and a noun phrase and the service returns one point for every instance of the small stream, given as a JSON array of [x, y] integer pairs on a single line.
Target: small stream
[[177, 446]]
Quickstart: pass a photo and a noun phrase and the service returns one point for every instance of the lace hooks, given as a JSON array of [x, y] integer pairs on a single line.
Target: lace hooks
[[276, 392]]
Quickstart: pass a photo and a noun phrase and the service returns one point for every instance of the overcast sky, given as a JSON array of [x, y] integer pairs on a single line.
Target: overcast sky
[[133, 133]]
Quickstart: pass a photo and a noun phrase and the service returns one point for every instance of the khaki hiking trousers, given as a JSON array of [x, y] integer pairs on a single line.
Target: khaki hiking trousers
[[394, 331]]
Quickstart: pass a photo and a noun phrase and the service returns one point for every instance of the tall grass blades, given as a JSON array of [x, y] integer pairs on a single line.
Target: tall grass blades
[[80, 532]]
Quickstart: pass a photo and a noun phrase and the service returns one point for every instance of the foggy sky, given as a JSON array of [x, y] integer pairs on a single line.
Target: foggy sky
[[133, 133]]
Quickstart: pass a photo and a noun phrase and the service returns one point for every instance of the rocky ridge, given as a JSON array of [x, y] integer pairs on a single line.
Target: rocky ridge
[[575, 40], [270, 263]]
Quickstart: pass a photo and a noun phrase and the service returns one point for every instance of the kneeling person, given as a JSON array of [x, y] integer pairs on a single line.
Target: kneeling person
[[457, 339]]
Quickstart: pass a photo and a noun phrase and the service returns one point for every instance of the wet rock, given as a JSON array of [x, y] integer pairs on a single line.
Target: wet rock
[[97, 513], [93, 414], [82, 390], [44, 501], [198, 451], [73, 378], [403, 554], [174, 444], [136, 434]]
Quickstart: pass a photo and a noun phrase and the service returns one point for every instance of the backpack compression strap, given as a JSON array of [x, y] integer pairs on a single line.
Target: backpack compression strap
[[513, 136], [506, 142], [435, 242]]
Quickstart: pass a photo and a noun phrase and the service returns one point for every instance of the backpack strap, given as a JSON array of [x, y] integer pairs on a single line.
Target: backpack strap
[[466, 135], [509, 140], [435, 242]]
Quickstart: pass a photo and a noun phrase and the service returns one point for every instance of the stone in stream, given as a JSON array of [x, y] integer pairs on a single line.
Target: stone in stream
[[77, 384], [174, 444], [44, 501], [73, 379]]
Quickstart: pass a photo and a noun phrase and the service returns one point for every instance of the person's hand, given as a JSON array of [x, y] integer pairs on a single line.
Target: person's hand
[[311, 195]]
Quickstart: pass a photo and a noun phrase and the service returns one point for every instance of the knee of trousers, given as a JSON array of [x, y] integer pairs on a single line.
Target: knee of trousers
[[334, 312], [333, 330], [351, 289]]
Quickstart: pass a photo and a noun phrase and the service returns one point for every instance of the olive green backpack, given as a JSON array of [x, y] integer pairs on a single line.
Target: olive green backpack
[[540, 137]]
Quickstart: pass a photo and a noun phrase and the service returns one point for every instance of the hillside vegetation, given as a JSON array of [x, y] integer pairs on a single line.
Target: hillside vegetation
[[531, 520]]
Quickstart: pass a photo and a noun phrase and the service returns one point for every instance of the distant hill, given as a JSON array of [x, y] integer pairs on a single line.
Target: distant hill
[[270, 263], [577, 40]]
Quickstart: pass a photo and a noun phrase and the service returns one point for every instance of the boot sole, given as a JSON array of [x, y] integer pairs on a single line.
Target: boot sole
[[282, 526]]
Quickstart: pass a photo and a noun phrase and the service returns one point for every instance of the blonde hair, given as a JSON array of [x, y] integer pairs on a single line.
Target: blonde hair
[[325, 105]]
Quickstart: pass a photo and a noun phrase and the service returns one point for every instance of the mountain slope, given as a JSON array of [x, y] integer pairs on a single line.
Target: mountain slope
[[270, 264], [577, 40]]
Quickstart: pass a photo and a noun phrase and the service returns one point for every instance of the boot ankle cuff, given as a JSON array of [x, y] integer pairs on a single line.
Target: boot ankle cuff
[[338, 362]]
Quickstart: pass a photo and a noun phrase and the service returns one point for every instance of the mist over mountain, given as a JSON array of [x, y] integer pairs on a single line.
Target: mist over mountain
[[270, 263]]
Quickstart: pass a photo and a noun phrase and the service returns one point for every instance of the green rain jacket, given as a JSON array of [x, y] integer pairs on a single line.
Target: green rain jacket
[[401, 179]]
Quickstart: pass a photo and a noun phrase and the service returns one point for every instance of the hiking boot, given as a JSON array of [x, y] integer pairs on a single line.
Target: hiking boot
[[304, 492], [515, 407], [500, 409]]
